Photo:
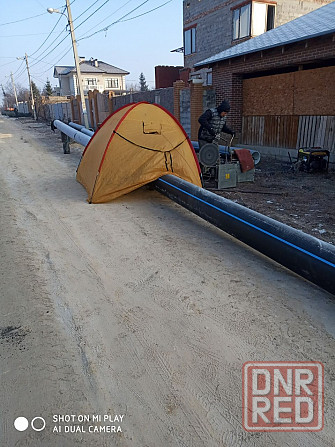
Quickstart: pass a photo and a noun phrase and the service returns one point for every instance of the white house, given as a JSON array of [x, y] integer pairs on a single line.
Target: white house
[[96, 75]]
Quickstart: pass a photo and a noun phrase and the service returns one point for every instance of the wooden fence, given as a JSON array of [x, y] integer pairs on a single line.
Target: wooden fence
[[317, 131], [289, 131]]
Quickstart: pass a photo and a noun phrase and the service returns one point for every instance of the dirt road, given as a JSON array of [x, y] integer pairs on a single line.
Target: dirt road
[[136, 310]]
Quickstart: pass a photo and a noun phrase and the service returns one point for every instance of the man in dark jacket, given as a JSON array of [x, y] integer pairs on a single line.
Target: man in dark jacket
[[213, 122]]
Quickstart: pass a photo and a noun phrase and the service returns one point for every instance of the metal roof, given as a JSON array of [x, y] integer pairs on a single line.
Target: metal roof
[[89, 67], [315, 23]]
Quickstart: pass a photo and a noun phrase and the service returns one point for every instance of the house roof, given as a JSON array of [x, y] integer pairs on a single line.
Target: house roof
[[314, 24], [89, 67]]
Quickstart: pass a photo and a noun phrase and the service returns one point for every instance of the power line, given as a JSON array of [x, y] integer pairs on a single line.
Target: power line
[[86, 10], [91, 14], [51, 50], [54, 64], [8, 63], [37, 79], [147, 12], [18, 68], [110, 15], [43, 53], [122, 19], [46, 55], [23, 20], [49, 63], [117, 21], [48, 35], [23, 35]]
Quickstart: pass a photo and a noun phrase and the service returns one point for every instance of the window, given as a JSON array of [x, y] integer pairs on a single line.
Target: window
[[189, 41], [112, 83], [91, 81], [209, 78], [253, 19], [270, 22], [263, 18], [241, 22]]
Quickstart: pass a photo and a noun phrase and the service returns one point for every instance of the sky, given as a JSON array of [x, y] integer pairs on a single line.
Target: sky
[[135, 44]]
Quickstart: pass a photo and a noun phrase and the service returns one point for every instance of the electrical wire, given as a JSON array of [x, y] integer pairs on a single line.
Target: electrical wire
[[7, 63], [121, 19], [20, 74], [56, 46], [147, 12], [43, 53], [20, 66], [117, 21], [23, 35], [55, 63], [37, 79], [110, 15], [23, 20], [91, 14], [32, 54], [125, 20], [86, 10]]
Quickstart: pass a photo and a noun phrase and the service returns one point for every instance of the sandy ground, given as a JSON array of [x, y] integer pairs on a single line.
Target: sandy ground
[[139, 310]]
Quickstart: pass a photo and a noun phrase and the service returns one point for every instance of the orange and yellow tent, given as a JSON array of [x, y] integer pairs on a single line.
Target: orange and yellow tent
[[136, 145]]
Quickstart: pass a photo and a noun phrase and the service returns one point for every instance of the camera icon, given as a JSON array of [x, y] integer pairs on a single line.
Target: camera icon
[[21, 423]]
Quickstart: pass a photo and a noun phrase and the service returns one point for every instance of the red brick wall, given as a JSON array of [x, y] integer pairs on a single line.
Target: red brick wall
[[165, 76], [196, 108], [228, 75]]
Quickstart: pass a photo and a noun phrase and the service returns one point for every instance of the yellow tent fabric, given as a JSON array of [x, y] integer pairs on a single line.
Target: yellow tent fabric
[[136, 145]]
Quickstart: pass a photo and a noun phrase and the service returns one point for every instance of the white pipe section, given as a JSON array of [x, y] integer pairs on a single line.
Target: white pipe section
[[82, 129], [75, 134]]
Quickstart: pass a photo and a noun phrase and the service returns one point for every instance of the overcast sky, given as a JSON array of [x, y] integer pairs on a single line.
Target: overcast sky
[[135, 45]]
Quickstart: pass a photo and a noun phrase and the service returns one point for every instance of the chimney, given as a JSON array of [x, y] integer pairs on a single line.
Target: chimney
[[81, 59], [96, 63]]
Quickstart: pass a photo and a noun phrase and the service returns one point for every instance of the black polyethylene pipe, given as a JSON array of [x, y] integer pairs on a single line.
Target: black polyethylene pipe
[[305, 255]]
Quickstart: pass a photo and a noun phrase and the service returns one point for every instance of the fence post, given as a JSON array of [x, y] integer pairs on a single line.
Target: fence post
[[78, 99], [96, 108], [90, 107], [72, 109], [110, 102]]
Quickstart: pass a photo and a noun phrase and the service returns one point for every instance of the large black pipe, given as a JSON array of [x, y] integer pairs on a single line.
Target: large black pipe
[[306, 255]]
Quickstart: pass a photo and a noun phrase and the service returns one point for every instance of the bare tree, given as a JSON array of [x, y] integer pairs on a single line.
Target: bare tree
[[9, 97]]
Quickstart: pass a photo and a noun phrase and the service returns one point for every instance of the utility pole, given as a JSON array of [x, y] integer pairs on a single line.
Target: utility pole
[[15, 94], [76, 60], [31, 88]]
